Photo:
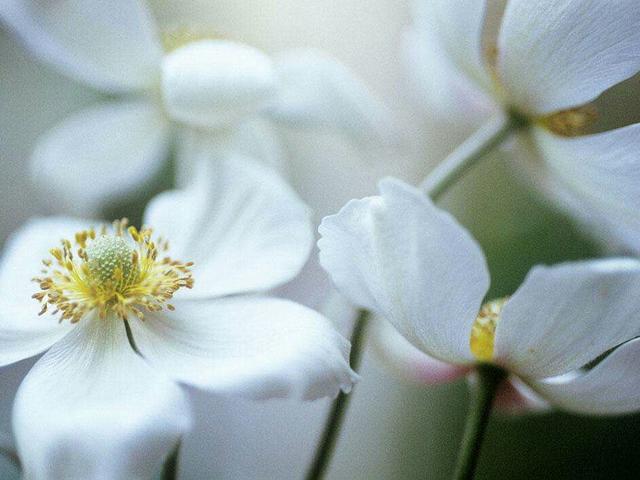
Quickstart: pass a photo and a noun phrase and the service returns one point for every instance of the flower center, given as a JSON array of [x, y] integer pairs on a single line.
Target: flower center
[[484, 329], [115, 271], [178, 37], [571, 122]]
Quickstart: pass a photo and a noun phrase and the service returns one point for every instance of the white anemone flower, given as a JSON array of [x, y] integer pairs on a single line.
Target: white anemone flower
[[91, 407], [549, 62], [156, 91], [401, 257]]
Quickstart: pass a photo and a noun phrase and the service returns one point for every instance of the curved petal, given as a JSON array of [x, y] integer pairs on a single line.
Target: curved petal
[[611, 387], [211, 83], [459, 24], [110, 45], [99, 154], [244, 228], [91, 408], [400, 256], [564, 316], [603, 168], [403, 358], [554, 56], [444, 92], [22, 332], [251, 346], [316, 91]]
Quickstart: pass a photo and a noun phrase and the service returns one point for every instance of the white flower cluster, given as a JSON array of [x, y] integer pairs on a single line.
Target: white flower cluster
[[125, 315]]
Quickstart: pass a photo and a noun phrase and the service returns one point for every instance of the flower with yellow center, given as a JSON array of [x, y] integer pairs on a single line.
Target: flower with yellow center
[[120, 272], [193, 86], [401, 257], [549, 63], [123, 320]]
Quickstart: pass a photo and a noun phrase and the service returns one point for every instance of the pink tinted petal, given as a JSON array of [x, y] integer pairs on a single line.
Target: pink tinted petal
[[400, 356]]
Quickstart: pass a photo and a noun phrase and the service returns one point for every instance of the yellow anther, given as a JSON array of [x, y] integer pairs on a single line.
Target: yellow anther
[[571, 122], [113, 273], [484, 329]]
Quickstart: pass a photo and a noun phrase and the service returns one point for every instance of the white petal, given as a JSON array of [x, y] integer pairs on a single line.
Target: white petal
[[100, 154], [255, 139], [459, 24], [613, 225], [400, 256], [602, 168], [111, 45], [93, 409], [316, 91], [251, 346], [554, 56], [22, 332], [212, 83], [258, 139], [445, 93], [405, 360], [244, 228], [611, 387], [564, 316]]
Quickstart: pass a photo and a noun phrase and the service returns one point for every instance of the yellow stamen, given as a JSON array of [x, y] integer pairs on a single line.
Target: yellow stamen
[[484, 329], [115, 272], [181, 36], [572, 122]]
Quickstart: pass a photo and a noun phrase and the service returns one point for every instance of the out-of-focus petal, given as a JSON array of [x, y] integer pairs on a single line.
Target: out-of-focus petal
[[212, 83], [111, 45], [316, 91], [243, 226], [22, 332], [564, 316], [93, 409], [611, 387], [459, 24], [256, 139], [98, 155], [250, 346], [400, 256], [445, 93], [553, 56]]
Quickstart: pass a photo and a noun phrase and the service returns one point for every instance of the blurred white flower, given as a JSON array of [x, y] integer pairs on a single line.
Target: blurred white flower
[[546, 62], [91, 407], [228, 89], [401, 257]]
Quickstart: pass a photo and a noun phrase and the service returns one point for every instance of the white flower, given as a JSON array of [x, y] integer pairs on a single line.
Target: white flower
[[231, 90], [91, 407], [399, 256], [546, 61]]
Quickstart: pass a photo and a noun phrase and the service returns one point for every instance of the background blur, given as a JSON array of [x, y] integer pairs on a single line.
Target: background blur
[[394, 430]]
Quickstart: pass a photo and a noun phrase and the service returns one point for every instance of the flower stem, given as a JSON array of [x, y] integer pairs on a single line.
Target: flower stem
[[170, 468], [465, 156], [489, 378], [332, 428]]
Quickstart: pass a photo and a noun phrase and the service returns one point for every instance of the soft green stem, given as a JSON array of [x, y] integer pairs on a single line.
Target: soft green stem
[[170, 468], [332, 428], [465, 156], [448, 172], [489, 378]]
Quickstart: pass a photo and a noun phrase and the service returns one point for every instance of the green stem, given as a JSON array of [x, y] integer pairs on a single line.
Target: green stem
[[170, 468], [448, 172], [334, 422], [465, 156], [489, 378]]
